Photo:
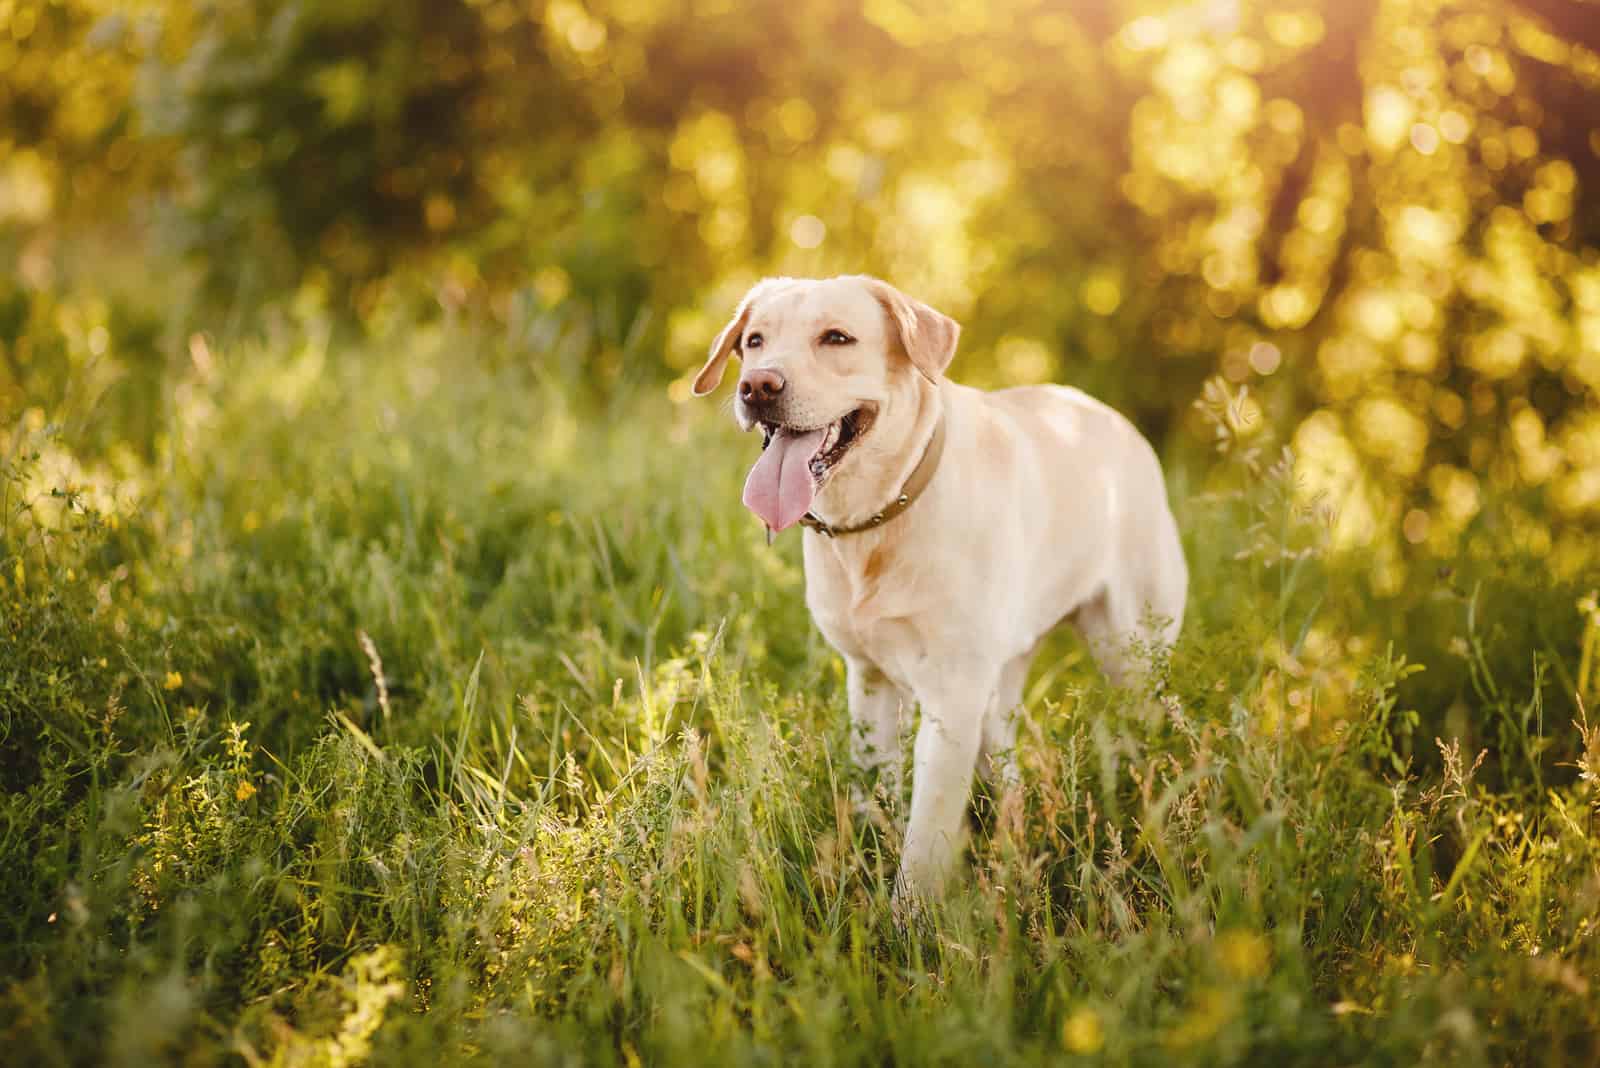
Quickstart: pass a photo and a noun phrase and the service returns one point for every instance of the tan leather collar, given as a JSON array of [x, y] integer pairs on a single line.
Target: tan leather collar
[[921, 475]]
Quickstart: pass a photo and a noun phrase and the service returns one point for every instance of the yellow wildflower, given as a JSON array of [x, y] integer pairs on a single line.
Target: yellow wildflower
[[172, 681], [1083, 1032], [246, 790], [1244, 954]]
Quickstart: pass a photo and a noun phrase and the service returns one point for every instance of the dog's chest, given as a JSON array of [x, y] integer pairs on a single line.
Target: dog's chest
[[863, 610]]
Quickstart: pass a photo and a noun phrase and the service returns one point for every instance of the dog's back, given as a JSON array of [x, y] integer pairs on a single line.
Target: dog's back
[[1079, 440]]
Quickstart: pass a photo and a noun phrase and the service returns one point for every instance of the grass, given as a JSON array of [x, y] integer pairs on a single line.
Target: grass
[[395, 701]]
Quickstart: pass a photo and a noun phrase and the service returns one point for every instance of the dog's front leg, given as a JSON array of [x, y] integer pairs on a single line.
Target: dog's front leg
[[874, 726], [946, 753]]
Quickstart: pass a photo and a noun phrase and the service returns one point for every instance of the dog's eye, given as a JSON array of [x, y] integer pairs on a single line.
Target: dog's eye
[[837, 337], [753, 341]]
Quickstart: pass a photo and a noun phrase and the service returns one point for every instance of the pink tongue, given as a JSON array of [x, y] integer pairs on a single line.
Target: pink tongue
[[780, 487]]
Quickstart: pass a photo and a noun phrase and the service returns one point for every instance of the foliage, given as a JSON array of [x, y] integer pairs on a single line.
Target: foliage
[[388, 674], [1374, 212], [320, 752]]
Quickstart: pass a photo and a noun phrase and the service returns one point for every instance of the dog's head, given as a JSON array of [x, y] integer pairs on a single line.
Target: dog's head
[[823, 363]]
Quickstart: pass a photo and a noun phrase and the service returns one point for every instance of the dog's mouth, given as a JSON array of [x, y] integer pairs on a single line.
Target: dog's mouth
[[796, 461], [838, 438]]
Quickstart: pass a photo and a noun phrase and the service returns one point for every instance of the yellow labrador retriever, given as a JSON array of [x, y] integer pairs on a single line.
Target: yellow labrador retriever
[[948, 529]]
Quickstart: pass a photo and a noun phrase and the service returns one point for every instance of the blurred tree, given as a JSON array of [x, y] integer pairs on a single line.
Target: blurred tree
[[347, 136], [66, 71], [1407, 242], [1371, 212]]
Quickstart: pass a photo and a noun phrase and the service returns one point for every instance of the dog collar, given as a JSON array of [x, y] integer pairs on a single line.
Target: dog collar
[[921, 475]]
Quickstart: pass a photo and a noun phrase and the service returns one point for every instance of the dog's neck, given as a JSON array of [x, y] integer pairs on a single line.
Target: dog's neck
[[885, 460]]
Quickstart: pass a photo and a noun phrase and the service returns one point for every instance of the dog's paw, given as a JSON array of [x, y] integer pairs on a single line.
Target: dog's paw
[[911, 904], [873, 805], [907, 909]]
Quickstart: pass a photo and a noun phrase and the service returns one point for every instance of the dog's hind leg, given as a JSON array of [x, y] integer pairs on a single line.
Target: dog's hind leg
[[1123, 630], [1109, 628], [997, 760], [1114, 633]]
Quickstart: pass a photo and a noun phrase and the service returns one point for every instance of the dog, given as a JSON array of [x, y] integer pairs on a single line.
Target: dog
[[947, 531]]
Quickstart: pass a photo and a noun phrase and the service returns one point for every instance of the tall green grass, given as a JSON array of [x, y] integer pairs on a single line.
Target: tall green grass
[[396, 702]]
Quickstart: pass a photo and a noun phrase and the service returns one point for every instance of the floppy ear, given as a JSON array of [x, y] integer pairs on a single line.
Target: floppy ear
[[727, 342], [927, 336]]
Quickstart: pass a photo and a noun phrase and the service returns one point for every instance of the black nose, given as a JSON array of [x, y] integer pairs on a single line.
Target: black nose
[[760, 387]]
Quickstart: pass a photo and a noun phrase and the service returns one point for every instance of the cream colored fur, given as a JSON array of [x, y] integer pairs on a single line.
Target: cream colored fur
[[1047, 506]]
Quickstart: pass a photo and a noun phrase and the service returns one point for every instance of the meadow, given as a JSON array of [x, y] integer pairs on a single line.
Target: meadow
[[380, 712], [390, 675]]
